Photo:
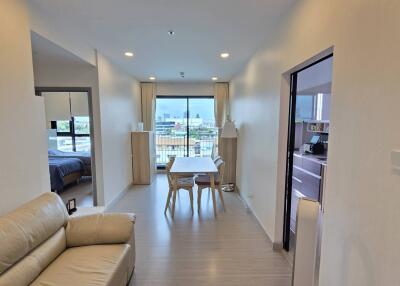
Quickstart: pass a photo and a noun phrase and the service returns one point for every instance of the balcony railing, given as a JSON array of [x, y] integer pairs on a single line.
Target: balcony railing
[[200, 145]]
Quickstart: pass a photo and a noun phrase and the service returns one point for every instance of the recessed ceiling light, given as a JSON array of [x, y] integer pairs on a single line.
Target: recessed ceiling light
[[152, 78], [224, 55], [171, 32], [214, 78], [129, 54]]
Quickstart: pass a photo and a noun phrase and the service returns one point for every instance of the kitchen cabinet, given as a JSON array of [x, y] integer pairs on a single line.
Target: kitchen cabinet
[[306, 177], [307, 182]]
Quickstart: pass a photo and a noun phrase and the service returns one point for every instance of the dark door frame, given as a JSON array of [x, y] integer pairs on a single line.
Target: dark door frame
[[88, 90], [290, 150]]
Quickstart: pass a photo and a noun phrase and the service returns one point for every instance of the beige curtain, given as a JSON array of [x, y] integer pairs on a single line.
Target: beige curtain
[[148, 91], [221, 101]]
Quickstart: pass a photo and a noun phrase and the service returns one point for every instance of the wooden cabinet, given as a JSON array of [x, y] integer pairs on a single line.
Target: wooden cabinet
[[227, 150], [143, 157]]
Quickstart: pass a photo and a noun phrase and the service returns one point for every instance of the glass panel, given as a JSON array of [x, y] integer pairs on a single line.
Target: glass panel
[[171, 125], [202, 132], [64, 143], [82, 144], [304, 107], [63, 126], [82, 125]]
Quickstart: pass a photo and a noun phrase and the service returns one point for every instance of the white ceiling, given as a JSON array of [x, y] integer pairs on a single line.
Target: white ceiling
[[203, 29]]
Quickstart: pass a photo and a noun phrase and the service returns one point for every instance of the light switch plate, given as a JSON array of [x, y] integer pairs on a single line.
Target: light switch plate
[[395, 161]]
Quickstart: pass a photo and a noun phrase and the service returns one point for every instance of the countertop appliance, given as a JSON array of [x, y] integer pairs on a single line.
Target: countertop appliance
[[315, 146]]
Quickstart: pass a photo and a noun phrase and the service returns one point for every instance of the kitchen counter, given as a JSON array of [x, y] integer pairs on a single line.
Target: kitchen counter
[[320, 158]]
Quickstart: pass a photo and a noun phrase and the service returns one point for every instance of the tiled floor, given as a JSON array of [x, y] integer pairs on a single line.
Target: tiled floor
[[199, 249]]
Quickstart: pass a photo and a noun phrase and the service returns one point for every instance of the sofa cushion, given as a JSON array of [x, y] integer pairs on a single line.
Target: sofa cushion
[[89, 265], [101, 228], [25, 228], [28, 268]]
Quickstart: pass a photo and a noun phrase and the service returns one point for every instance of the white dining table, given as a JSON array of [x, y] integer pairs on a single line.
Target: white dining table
[[192, 166]]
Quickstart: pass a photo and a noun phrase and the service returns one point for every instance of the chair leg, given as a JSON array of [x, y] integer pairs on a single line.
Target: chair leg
[[173, 202], [199, 198], [168, 200], [213, 193], [191, 199], [220, 196]]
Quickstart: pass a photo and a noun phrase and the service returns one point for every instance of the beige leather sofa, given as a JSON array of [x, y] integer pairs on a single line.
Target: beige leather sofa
[[41, 245]]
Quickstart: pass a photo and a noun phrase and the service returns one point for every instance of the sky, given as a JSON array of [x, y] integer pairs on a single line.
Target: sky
[[177, 106]]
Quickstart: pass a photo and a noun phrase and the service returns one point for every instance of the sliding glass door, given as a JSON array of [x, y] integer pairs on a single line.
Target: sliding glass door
[[185, 126]]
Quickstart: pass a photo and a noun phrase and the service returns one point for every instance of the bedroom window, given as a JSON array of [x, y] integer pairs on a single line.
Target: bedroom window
[[73, 135], [63, 126]]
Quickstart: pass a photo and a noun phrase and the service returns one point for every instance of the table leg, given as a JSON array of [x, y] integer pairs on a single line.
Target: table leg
[[213, 193]]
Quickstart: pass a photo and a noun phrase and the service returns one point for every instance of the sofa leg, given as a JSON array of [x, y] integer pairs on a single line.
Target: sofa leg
[[131, 276]]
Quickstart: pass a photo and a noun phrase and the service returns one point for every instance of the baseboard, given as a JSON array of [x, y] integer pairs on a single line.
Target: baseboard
[[117, 198], [275, 246]]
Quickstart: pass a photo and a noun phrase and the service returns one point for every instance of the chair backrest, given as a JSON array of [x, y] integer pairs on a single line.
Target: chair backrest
[[217, 158], [168, 167], [220, 164]]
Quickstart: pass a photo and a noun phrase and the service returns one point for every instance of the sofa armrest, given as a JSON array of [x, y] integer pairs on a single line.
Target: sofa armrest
[[102, 228]]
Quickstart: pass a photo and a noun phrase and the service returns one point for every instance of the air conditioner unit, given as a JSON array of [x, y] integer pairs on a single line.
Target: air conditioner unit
[[305, 266]]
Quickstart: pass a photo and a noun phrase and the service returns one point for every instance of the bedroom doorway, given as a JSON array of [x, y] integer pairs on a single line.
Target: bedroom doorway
[[70, 133]]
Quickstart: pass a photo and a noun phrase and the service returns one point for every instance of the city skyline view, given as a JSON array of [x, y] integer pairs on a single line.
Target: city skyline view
[[176, 108], [178, 136]]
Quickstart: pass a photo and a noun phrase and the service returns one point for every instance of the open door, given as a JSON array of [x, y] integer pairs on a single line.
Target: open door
[[307, 144]]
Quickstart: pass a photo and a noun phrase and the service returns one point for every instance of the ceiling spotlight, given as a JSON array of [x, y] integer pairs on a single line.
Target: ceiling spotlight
[[152, 78], [224, 55], [171, 32], [214, 78], [129, 54]]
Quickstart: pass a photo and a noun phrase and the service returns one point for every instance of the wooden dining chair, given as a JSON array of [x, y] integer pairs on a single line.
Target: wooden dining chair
[[204, 182], [175, 183]]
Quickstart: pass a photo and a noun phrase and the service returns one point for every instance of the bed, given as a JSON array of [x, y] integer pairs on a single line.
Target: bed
[[64, 171], [85, 157]]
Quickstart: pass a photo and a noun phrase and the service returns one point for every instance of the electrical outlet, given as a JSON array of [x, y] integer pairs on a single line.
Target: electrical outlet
[[395, 161]]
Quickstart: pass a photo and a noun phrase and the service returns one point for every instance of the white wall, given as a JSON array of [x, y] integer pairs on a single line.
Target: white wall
[[50, 28], [181, 88], [23, 146], [120, 111], [116, 108], [62, 74], [361, 200]]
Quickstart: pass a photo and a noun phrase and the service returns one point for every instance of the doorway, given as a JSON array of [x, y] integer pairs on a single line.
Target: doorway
[[308, 140], [71, 156]]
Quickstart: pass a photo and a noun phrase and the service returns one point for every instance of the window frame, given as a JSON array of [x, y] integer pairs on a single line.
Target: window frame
[[187, 97], [71, 132]]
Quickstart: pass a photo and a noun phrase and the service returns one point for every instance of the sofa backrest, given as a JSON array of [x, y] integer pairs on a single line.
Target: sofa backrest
[[24, 229]]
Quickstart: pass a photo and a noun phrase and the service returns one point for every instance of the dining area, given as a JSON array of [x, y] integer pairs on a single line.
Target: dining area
[[190, 173]]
